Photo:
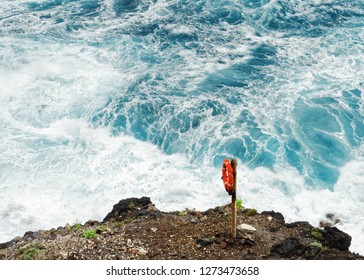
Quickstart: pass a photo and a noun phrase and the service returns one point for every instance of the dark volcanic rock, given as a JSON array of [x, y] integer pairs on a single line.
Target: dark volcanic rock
[[290, 247], [299, 224], [204, 242], [92, 223], [124, 206], [6, 245], [335, 238], [275, 215]]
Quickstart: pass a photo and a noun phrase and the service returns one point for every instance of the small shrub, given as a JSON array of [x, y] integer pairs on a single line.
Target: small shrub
[[315, 232], [33, 252], [76, 226], [131, 205], [251, 212], [182, 213], [89, 234]]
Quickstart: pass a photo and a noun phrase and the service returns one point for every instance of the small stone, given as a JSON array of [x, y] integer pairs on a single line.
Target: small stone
[[142, 252], [142, 212], [63, 254], [246, 242], [129, 243], [134, 251], [247, 231], [269, 218], [17, 239], [204, 242], [154, 229], [152, 208], [223, 245]]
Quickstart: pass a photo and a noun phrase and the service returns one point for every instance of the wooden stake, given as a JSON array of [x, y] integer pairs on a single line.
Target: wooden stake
[[233, 200]]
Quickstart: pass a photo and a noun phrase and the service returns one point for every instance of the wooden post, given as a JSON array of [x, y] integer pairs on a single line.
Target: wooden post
[[233, 201]]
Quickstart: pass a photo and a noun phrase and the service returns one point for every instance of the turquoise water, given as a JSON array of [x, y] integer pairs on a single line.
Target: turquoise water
[[109, 99]]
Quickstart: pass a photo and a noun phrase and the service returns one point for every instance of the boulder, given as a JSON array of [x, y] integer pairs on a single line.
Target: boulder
[[124, 206], [288, 248], [335, 238]]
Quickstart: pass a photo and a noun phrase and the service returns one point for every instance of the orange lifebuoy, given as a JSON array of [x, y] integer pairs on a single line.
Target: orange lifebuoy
[[227, 175]]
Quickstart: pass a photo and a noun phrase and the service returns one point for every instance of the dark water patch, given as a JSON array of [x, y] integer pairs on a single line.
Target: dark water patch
[[125, 6], [293, 19], [241, 75], [293, 158], [87, 8], [47, 5], [319, 122]]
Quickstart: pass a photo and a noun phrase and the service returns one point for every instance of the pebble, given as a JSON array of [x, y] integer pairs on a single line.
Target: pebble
[[204, 241], [154, 229], [129, 243], [223, 245], [142, 252]]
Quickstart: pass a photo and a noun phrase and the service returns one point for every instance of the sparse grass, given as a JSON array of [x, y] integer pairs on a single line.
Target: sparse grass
[[101, 228], [33, 252], [90, 234], [119, 224], [123, 223], [315, 232]]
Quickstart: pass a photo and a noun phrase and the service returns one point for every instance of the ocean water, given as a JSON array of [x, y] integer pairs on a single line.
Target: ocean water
[[108, 99]]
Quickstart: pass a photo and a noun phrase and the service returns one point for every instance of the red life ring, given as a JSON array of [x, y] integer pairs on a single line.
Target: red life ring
[[227, 176]]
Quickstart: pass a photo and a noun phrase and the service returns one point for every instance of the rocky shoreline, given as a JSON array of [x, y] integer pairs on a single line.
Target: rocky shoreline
[[135, 229]]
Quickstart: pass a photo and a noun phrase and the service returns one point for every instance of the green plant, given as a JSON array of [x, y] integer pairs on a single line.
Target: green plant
[[124, 222], [76, 226], [89, 234], [315, 232], [119, 224], [251, 212], [33, 252], [101, 229], [239, 204], [182, 213], [316, 244], [131, 205]]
